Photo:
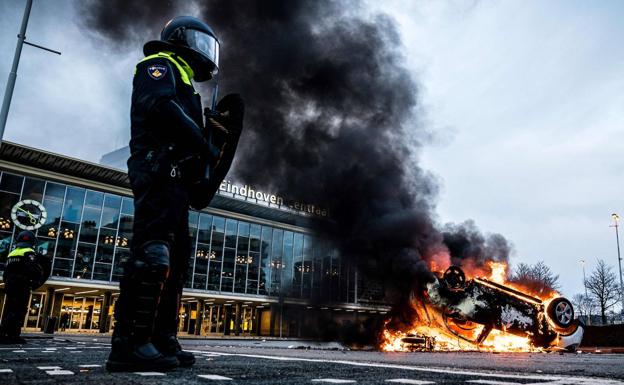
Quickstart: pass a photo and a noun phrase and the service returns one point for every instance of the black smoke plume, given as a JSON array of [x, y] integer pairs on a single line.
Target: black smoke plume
[[331, 119]]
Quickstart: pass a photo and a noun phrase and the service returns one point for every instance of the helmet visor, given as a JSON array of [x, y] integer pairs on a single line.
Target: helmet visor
[[205, 44]]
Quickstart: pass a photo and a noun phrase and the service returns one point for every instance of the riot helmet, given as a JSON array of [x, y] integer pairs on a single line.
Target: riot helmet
[[194, 41], [26, 238]]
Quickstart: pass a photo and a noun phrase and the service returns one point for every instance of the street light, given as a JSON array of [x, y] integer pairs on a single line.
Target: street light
[[615, 224], [586, 300], [8, 92]]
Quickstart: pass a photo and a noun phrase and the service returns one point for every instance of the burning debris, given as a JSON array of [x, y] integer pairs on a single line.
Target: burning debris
[[485, 314]]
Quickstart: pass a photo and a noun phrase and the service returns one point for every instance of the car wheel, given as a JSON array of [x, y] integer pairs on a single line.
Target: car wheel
[[454, 278], [561, 312]]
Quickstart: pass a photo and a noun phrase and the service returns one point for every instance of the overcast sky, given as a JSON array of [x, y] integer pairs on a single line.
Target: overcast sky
[[525, 100]]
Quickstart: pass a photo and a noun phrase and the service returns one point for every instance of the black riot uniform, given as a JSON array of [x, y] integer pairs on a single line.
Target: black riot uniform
[[25, 270], [175, 163]]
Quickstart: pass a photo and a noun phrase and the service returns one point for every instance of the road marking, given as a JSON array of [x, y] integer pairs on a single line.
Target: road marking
[[49, 367], [75, 351], [90, 366], [214, 377], [409, 381], [562, 379], [60, 372], [6, 370], [146, 374], [19, 351], [333, 380], [49, 349], [490, 382]]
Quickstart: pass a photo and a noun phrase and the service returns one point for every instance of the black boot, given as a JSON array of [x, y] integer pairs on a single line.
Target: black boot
[[130, 357], [170, 347], [135, 312]]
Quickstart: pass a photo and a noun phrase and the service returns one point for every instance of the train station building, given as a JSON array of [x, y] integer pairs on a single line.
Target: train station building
[[256, 267]]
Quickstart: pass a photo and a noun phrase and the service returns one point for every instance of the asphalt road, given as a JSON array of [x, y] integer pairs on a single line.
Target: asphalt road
[[80, 360]]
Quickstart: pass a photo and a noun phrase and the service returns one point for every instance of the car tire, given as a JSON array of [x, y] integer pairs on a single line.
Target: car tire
[[454, 278], [561, 312]]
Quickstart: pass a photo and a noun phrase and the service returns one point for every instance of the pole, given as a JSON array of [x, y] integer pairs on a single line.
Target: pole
[[617, 238], [586, 295], [8, 92]]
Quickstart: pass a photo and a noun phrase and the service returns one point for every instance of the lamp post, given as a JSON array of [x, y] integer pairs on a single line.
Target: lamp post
[[615, 224], [8, 92], [586, 300]]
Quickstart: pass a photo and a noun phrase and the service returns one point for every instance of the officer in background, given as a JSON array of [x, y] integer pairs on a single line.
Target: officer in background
[[176, 161], [25, 270]]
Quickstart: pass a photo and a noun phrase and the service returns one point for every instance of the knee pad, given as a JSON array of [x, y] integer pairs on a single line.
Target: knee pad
[[153, 262]]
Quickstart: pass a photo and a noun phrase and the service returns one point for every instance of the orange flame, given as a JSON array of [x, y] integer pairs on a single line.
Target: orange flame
[[445, 340]]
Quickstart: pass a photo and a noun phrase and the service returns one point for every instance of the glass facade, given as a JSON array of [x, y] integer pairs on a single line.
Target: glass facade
[[89, 232]]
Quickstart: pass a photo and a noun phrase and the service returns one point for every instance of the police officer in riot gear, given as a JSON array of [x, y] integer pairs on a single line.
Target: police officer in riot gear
[[25, 270], [176, 161]]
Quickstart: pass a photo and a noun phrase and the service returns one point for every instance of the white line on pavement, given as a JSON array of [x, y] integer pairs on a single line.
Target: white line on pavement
[[90, 366], [334, 380], [19, 351], [214, 377], [409, 381], [490, 382], [544, 377], [6, 370], [146, 374], [60, 372], [49, 367]]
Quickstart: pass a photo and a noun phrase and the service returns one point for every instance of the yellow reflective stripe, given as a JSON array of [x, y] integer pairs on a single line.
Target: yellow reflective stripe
[[20, 251], [183, 74], [187, 67]]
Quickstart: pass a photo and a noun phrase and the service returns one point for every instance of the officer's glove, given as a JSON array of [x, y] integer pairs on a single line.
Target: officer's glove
[[226, 123], [232, 109]]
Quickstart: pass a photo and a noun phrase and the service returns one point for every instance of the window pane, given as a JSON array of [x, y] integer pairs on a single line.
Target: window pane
[[94, 199], [106, 246], [7, 201], [307, 267], [84, 261], [102, 271], [121, 257], [254, 238], [62, 267], [125, 231], [73, 204], [46, 246], [205, 224], [297, 266], [127, 206], [33, 189], [287, 261], [218, 232], [199, 282], [193, 223], [11, 183], [228, 263], [201, 259], [54, 206], [110, 216], [5, 246], [265, 259], [90, 224], [226, 285], [230, 233], [276, 262]]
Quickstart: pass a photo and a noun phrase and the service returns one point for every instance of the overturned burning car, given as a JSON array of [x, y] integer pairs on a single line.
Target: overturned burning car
[[482, 313]]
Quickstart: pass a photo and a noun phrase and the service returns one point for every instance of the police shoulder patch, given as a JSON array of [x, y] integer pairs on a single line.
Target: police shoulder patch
[[157, 71]]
